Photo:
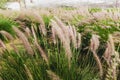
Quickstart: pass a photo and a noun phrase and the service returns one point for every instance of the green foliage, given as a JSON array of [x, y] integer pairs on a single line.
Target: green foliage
[[112, 9], [21, 66], [68, 8], [93, 10], [104, 32], [78, 71], [76, 19], [6, 25], [101, 27], [46, 19]]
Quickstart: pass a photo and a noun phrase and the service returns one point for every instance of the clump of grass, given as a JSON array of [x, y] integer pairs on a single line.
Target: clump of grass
[[48, 61], [51, 49]]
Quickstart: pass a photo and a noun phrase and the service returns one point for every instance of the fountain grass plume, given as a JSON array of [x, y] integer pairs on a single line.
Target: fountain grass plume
[[59, 32], [24, 40], [52, 75], [113, 60], [94, 44], [8, 35]]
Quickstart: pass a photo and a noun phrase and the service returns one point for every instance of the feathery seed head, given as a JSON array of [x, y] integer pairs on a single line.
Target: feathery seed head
[[24, 40]]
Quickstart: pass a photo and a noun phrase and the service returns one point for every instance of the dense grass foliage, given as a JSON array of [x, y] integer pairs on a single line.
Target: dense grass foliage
[[6, 25], [75, 45]]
